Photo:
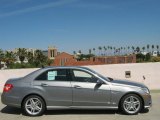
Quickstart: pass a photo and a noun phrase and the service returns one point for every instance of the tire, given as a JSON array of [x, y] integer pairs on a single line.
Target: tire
[[131, 104], [33, 105]]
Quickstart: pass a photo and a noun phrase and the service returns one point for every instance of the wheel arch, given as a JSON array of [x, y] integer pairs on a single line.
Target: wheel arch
[[131, 93], [30, 95]]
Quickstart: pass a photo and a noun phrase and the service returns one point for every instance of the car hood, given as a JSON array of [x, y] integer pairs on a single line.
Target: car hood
[[127, 82]]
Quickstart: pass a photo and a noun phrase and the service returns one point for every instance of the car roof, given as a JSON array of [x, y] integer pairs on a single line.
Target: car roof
[[64, 67]]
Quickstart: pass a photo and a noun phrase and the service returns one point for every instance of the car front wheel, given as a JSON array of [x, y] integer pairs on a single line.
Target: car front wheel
[[131, 104], [33, 106]]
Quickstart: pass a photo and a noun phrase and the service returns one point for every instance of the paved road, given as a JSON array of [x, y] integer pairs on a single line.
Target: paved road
[[8, 113]]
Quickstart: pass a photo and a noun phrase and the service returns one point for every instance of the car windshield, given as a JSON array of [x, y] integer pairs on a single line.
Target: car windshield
[[103, 77]]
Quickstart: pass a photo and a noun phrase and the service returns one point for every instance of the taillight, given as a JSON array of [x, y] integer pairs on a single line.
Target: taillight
[[7, 87]]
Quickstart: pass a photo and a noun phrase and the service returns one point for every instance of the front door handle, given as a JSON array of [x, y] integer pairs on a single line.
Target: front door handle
[[44, 85], [77, 86]]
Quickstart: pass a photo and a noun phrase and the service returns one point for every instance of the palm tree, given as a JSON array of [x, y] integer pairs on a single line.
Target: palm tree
[[94, 51], [148, 47], [74, 52], [39, 58], [143, 48], [114, 48], [121, 50], [133, 49], [108, 50], [128, 49], [9, 57], [138, 49], [104, 48], [157, 48], [90, 51], [30, 57], [1, 56], [21, 53], [79, 51], [105, 51], [100, 48], [152, 48], [111, 49]]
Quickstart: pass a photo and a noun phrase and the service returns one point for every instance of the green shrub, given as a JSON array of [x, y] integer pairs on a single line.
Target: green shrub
[[155, 59]]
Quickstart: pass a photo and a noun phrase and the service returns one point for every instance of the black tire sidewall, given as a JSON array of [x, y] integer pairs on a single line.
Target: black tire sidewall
[[33, 96], [122, 101]]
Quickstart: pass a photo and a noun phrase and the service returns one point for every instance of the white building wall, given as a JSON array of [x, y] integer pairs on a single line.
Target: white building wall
[[151, 71]]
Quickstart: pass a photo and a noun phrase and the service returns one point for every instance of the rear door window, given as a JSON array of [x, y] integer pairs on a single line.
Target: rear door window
[[54, 75]]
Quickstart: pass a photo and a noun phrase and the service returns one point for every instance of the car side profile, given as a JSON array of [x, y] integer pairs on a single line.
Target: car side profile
[[74, 88]]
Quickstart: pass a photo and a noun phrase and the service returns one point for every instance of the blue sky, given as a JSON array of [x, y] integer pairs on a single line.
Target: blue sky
[[78, 24]]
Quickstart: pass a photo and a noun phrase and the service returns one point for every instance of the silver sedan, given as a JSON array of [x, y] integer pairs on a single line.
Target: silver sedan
[[74, 88]]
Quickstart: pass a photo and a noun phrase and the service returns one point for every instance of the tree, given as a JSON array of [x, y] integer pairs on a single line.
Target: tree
[[105, 49], [111, 49], [74, 52], [39, 58], [158, 50], [128, 49], [148, 57], [138, 49], [121, 50], [143, 48], [90, 51], [21, 53], [157, 47], [152, 48], [30, 57], [133, 49], [100, 48], [9, 58], [114, 48], [79, 51], [148, 47], [94, 51], [49, 62], [140, 57], [1, 56]]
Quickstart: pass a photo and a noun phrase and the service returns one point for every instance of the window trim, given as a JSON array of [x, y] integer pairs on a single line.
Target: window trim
[[72, 75], [67, 75]]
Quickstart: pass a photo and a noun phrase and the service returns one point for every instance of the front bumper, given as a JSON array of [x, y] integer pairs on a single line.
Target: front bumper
[[147, 100]]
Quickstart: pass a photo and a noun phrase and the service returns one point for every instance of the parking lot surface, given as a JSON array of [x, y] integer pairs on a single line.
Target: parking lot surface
[[9, 113]]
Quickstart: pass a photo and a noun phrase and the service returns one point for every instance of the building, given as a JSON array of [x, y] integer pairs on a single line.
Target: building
[[52, 52], [65, 59]]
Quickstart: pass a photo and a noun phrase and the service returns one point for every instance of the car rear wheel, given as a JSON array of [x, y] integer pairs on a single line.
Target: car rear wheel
[[131, 104], [33, 106]]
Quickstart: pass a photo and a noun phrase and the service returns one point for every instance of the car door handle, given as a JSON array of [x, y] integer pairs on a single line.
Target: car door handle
[[44, 85], [77, 86]]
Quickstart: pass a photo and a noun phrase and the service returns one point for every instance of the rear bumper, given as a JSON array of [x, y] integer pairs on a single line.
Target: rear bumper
[[10, 100]]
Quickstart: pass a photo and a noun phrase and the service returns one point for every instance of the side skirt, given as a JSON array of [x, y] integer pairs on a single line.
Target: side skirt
[[80, 107]]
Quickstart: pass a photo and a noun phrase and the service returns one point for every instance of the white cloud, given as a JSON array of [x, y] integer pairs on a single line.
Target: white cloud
[[39, 7]]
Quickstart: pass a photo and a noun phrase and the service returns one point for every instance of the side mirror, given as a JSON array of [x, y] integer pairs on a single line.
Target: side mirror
[[100, 82]]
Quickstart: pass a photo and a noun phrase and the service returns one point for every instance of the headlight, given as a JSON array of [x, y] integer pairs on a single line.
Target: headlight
[[146, 90]]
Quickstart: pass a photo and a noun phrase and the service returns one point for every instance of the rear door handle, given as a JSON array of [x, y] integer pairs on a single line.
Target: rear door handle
[[77, 86], [44, 85]]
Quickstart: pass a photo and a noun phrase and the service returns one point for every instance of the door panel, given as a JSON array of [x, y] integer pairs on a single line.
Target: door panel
[[57, 93], [56, 87], [86, 91], [90, 94]]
